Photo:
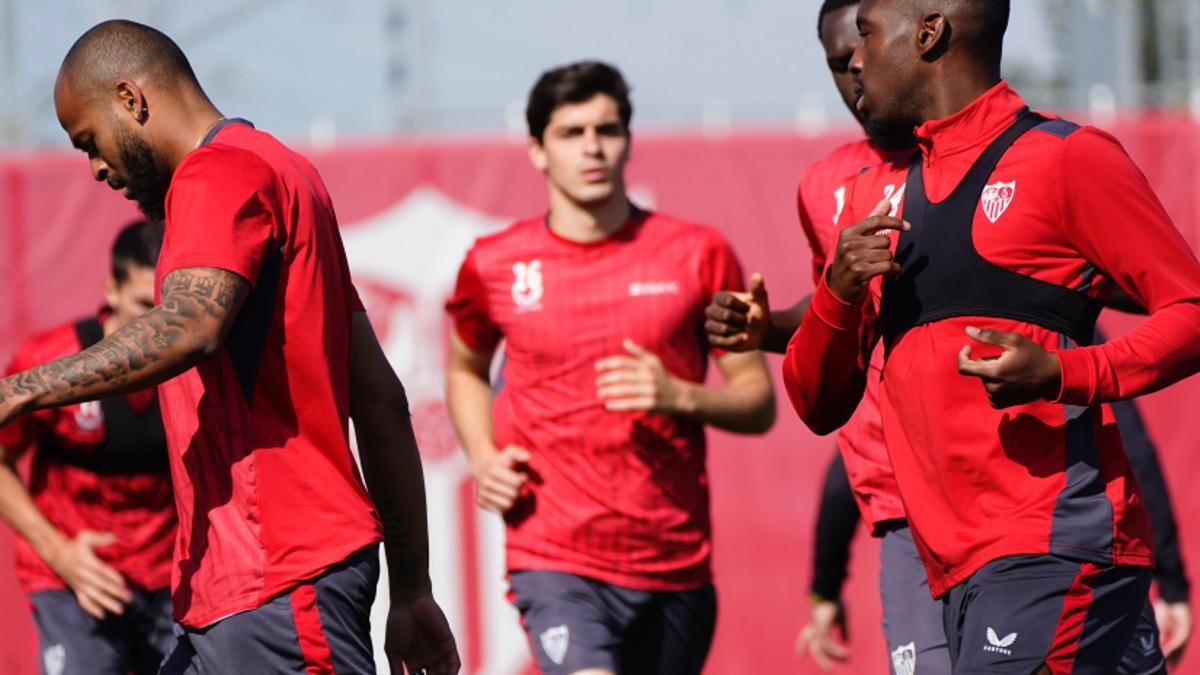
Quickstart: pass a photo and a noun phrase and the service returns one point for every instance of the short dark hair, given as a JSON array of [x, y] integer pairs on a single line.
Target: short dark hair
[[832, 6], [137, 245], [575, 83], [993, 19], [119, 48]]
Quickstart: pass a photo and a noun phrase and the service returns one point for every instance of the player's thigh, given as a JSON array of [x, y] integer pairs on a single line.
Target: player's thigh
[[71, 642], [319, 626], [150, 631], [1144, 655], [672, 633], [1021, 613], [912, 619], [572, 622]]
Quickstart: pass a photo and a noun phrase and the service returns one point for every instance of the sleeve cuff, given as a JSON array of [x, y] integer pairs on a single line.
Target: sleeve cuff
[[1078, 385], [1173, 590], [835, 312]]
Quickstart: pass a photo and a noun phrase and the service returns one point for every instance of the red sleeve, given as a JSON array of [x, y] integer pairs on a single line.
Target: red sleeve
[[24, 431], [810, 232], [221, 212], [720, 269], [825, 366], [1113, 217], [468, 309]]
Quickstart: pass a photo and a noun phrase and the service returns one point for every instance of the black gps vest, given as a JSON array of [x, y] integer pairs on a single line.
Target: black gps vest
[[134, 442], [943, 276]]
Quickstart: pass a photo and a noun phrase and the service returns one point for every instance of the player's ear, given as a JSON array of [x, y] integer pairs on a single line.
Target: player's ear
[[537, 154], [131, 100], [111, 286], [933, 36]]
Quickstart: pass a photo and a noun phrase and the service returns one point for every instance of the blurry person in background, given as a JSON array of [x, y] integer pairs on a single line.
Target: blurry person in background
[[859, 478], [95, 522], [593, 449], [263, 353]]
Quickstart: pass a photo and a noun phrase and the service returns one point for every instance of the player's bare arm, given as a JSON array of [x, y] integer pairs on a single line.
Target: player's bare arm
[[498, 472], [743, 321], [99, 588], [199, 306], [638, 381], [418, 636]]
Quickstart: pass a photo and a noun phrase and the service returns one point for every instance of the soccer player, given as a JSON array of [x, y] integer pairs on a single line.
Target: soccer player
[[861, 472], [594, 447], [96, 525], [1020, 499], [261, 350]]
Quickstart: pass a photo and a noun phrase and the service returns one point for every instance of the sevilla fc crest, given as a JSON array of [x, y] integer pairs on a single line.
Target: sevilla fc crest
[[904, 659], [996, 198]]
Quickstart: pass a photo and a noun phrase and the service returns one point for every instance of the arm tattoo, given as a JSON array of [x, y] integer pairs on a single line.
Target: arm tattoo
[[198, 305]]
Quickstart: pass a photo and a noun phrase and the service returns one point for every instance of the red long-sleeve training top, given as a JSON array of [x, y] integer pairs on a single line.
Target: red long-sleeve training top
[[1069, 208]]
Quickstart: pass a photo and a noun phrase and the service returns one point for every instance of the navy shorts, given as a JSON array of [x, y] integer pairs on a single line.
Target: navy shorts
[[1017, 613], [321, 626], [576, 623], [72, 642], [912, 618]]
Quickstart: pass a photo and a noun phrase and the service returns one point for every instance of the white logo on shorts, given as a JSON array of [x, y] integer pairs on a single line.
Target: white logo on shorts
[[54, 659], [1149, 645], [904, 659], [999, 645], [554, 642], [996, 198]]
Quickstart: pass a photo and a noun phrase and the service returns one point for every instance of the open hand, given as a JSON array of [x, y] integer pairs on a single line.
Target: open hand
[[99, 588], [818, 639], [738, 321], [1023, 373], [419, 639], [1175, 625], [639, 381]]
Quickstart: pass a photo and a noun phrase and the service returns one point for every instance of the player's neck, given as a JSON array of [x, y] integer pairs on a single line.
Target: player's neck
[[197, 119], [953, 92], [586, 223]]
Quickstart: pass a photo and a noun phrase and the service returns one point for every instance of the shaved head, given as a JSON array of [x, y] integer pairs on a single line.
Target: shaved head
[[119, 49], [128, 98]]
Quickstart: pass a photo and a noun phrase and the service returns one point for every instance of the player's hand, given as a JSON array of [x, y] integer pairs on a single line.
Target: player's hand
[[419, 638], [100, 589], [639, 381], [1023, 373], [499, 479], [818, 639], [1175, 625], [738, 321], [863, 252]]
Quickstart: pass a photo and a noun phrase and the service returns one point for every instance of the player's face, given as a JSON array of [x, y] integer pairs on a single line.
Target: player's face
[[886, 69], [130, 298], [839, 37], [583, 150], [118, 153]]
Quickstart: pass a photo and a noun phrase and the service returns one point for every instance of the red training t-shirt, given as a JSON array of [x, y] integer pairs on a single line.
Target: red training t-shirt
[[618, 497], [980, 483], [78, 488], [820, 199], [267, 489]]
